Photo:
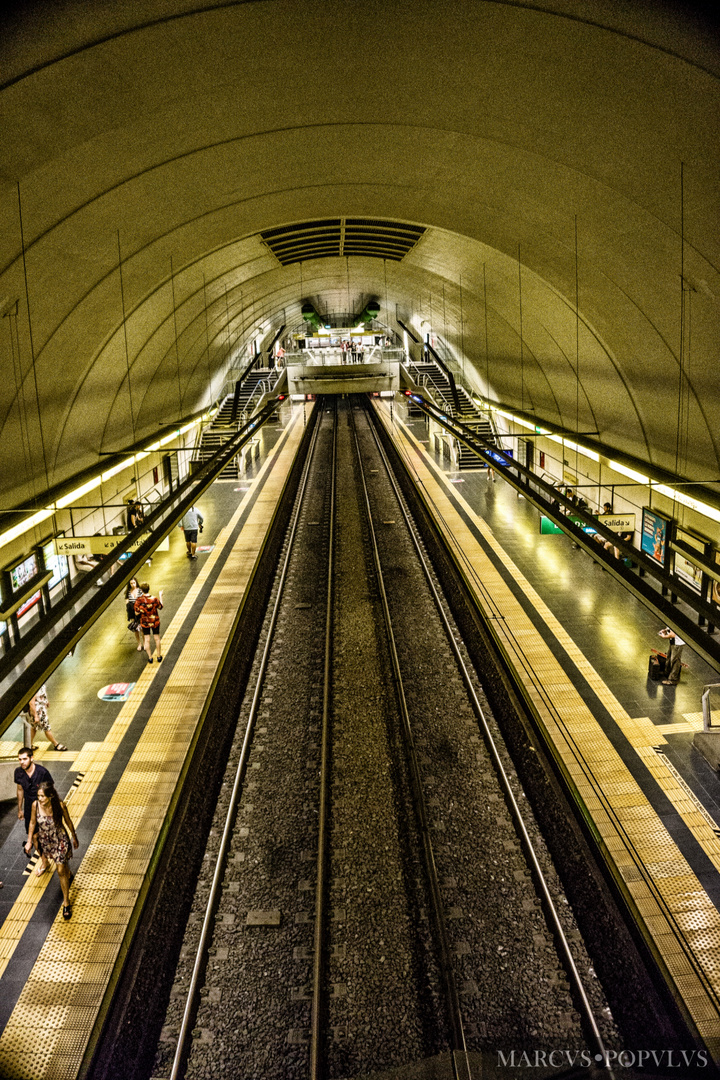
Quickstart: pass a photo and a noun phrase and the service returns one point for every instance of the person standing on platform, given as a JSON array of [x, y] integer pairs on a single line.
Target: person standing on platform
[[28, 777], [133, 593], [673, 664], [191, 524], [38, 706], [147, 610], [49, 827]]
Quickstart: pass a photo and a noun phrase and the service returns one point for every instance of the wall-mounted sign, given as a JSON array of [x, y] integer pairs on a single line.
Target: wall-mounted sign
[[654, 535], [100, 545], [618, 522], [548, 527]]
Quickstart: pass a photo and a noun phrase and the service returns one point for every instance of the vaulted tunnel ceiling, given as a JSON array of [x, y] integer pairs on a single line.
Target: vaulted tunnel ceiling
[[156, 153]]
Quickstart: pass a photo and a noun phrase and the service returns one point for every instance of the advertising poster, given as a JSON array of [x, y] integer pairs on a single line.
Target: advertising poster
[[23, 572], [716, 584], [57, 563], [654, 536], [688, 571]]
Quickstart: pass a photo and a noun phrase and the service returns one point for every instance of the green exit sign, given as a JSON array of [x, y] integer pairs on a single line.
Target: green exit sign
[[548, 527]]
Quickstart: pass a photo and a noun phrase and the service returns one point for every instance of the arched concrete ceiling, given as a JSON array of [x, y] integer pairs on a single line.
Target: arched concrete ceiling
[[169, 134]]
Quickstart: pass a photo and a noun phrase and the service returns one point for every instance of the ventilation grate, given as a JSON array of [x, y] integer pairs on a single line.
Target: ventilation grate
[[342, 236]]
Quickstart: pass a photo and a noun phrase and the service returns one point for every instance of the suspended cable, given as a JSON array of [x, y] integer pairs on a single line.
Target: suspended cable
[[462, 329], [522, 356], [12, 317], [32, 347], [207, 338], [127, 350], [487, 350], [577, 341], [177, 353]]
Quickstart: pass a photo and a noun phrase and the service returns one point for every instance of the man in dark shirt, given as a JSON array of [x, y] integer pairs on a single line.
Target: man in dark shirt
[[27, 777]]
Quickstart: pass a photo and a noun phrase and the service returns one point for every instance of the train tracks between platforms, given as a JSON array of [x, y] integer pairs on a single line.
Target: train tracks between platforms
[[377, 893]]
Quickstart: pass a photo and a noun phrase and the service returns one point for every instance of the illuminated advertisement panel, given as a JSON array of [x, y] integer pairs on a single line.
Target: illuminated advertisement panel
[[57, 563], [24, 572], [654, 536]]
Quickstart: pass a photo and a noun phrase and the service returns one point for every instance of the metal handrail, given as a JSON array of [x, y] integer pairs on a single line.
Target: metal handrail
[[26, 666], [707, 715]]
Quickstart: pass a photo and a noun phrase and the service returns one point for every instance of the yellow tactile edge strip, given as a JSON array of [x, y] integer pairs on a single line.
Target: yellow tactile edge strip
[[656, 874], [640, 732], [47, 1032], [95, 762]]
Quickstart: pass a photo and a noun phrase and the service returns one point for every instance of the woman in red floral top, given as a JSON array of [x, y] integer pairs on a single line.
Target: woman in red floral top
[[147, 610]]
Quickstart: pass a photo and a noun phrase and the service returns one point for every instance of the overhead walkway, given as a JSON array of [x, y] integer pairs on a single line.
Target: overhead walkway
[[579, 644], [122, 773]]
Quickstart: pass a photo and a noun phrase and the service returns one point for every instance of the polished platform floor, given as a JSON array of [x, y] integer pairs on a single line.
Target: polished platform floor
[[580, 645], [121, 772], [579, 640]]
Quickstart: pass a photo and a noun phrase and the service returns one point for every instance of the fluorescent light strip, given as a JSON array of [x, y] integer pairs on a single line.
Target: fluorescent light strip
[[42, 515], [581, 450], [118, 468], [631, 473], [79, 492], [25, 526], [687, 500]]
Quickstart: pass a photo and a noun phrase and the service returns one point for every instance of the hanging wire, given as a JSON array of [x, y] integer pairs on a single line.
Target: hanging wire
[[12, 318], [207, 338], [32, 347], [522, 355], [487, 350], [684, 308], [177, 354], [462, 329], [127, 350], [577, 344]]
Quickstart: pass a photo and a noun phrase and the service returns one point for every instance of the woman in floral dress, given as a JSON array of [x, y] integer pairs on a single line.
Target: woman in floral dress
[[38, 706], [51, 823]]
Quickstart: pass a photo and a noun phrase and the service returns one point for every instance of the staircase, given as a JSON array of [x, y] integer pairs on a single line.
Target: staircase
[[234, 411], [431, 376]]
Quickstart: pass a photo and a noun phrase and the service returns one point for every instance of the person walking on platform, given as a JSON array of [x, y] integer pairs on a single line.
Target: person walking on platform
[[28, 777], [49, 826], [133, 593], [191, 523], [38, 706], [147, 610]]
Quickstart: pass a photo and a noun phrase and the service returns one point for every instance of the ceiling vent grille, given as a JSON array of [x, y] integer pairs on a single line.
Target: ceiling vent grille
[[342, 236]]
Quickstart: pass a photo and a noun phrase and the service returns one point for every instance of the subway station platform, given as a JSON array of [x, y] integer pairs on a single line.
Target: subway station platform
[[579, 641], [121, 770]]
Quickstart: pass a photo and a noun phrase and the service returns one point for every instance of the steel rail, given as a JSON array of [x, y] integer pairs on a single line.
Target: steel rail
[[318, 997], [518, 659], [561, 937], [180, 1058], [459, 1047]]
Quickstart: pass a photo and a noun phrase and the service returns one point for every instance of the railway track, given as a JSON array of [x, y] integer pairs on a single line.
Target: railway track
[[377, 891]]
